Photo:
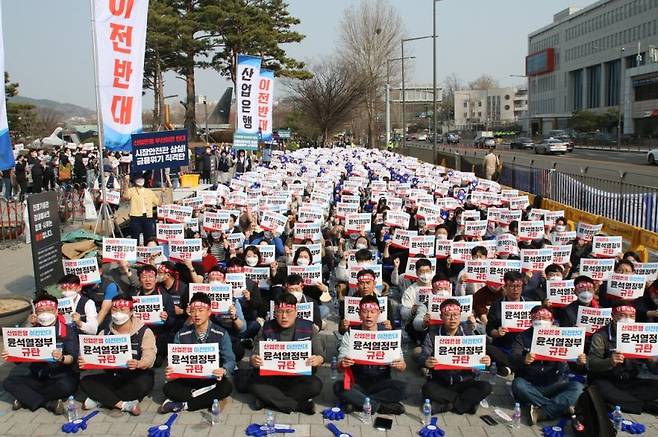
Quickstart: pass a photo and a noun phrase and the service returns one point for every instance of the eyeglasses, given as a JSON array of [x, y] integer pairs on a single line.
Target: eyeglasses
[[68, 286], [284, 312], [515, 285], [198, 310], [451, 316]]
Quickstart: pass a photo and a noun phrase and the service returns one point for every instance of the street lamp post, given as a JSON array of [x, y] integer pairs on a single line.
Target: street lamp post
[[434, 142], [404, 97], [621, 96], [388, 95]]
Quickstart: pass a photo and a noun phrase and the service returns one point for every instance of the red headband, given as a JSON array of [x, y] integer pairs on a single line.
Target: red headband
[[285, 306], [48, 304], [199, 304], [584, 285], [369, 306], [216, 273], [620, 308], [123, 303], [451, 308], [442, 283], [542, 312], [165, 269], [365, 278]]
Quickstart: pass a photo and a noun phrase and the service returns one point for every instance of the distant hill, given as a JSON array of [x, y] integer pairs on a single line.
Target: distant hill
[[68, 109]]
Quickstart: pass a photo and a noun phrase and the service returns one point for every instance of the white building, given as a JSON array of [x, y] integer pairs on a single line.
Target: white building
[[490, 108], [578, 61]]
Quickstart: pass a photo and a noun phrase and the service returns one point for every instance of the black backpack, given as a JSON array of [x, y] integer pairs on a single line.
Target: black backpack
[[592, 413]]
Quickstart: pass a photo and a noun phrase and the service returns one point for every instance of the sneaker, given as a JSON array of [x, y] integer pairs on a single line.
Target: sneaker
[[395, 408], [257, 404], [132, 407], [307, 407], [89, 404], [504, 371], [16, 405], [56, 407], [534, 414], [169, 406]]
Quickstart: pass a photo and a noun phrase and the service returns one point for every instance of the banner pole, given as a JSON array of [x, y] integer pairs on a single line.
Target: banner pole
[[103, 212]]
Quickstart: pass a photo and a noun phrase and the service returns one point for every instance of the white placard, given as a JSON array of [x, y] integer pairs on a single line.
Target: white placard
[[285, 358], [105, 351], [598, 269], [27, 345], [85, 268], [515, 316], [560, 293], [221, 296], [351, 309], [637, 340], [557, 344], [148, 309], [119, 249], [165, 232], [626, 287], [193, 360], [459, 352], [592, 319], [606, 247], [536, 260], [375, 348], [189, 249]]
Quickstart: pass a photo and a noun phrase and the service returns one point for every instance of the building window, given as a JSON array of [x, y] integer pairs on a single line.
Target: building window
[[479, 114], [480, 103], [612, 83], [647, 89], [577, 89], [594, 86]]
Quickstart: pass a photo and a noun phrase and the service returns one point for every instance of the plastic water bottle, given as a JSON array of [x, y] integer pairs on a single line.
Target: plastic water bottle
[[427, 412], [215, 412], [366, 415], [617, 418], [493, 373], [269, 423], [71, 409], [334, 368], [516, 417]]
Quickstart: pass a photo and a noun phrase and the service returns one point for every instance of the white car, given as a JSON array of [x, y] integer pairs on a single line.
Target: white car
[[422, 137], [551, 145], [652, 156]]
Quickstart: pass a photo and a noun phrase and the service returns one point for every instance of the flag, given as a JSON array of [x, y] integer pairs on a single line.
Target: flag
[[6, 152]]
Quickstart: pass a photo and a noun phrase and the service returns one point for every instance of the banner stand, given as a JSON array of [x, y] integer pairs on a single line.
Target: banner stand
[[105, 215]]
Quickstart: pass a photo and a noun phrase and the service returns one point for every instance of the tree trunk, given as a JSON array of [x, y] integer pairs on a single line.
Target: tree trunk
[[157, 93], [161, 101], [190, 100]]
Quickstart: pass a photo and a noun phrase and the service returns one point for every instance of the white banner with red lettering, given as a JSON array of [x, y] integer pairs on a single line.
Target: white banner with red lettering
[[165, 232], [29, 344], [189, 249], [85, 268], [592, 319], [351, 309], [531, 230], [536, 260], [120, 27], [105, 351], [637, 340], [221, 296], [515, 316], [496, 269], [434, 307], [119, 249], [606, 247], [557, 344], [598, 269], [560, 293], [285, 358], [374, 348], [193, 360], [626, 287], [459, 351], [148, 309]]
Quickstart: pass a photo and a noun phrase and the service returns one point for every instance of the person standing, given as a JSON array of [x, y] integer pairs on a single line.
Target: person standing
[[64, 172], [225, 164], [492, 165], [243, 163], [209, 166], [142, 202], [37, 172], [6, 183]]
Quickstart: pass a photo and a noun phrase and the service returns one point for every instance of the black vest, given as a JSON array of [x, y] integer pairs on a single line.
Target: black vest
[[188, 336], [80, 308], [303, 330], [135, 341]]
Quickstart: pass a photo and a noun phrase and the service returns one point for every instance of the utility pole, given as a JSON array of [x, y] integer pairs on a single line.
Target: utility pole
[[434, 111], [621, 96]]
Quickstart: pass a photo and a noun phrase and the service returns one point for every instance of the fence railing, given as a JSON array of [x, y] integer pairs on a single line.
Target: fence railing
[[12, 223]]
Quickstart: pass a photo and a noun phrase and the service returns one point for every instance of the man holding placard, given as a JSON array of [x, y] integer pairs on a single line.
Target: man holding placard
[[295, 390], [193, 389], [365, 286], [586, 296], [373, 379], [538, 377], [615, 374], [647, 305], [451, 360], [52, 353], [124, 388], [84, 315]]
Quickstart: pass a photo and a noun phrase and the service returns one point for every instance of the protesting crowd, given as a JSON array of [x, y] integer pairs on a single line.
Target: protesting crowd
[[425, 270]]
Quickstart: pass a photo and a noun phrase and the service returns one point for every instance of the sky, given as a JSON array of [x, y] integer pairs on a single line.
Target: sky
[[48, 44]]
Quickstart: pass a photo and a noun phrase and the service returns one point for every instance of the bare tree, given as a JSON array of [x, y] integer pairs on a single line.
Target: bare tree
[[48, 119], [483, 82], [370, 34], [327, 100]]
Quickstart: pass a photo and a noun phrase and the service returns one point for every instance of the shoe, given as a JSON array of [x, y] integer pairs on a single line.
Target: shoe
[[89, 404], [56, 407], [534, 414], [348, 408], [247, 343], [16, 405], [504, 371], [395, 408], [257, 404], [438, 408], [169, 406], [307, 407], [132, 407]]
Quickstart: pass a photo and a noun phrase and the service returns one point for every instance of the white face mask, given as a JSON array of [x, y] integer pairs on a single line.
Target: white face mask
[[626, 320], [251, 261], [298, 295], [441, 237], [119, 318], [46, 319], [139, 182], [425, 278], [585, 296], [302, 261], [554, 278], [560, 228], [541, 323], [360, 246], [69, 294]]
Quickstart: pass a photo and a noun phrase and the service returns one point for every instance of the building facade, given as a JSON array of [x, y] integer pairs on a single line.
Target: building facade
[[490, 108], [584, 59]]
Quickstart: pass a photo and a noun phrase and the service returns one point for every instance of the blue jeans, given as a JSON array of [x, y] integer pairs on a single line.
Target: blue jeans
[[7, 187], [324, 311], [553, 399]]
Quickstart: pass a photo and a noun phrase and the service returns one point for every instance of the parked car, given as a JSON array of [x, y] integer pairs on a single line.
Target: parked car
[[484, 142], [569, 140], [652, 156], [421, 137], [551, 145], [522, 143], [453, 138]]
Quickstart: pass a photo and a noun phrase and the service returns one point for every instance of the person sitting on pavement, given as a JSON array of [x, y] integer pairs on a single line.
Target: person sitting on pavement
[[409, 301], [287, 393], [441, 286], [617, 376], [365, 286], [646, 306], [373, 381], [541, 384], [182, 393], [586, 291], [47, 383], [451, 390], [123, 389], [84, 316]]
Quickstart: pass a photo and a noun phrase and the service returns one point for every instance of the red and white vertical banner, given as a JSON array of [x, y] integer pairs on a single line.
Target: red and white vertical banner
[[120, 27], [265, 99]]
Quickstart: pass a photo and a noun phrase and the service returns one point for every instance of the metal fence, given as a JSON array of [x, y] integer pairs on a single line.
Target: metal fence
[[12, 224]]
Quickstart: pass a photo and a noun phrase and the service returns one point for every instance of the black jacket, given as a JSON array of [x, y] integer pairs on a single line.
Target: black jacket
[[541, 373]]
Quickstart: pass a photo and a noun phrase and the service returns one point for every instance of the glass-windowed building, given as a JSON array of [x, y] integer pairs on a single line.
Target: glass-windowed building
[[597, 58]]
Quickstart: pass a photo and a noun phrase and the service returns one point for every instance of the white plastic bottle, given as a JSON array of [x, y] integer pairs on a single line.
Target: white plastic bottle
[[71, 409], [617, 418], [427, 412], [269, 424], [516, 417], [334, 368], [366, 415], [215, 412]]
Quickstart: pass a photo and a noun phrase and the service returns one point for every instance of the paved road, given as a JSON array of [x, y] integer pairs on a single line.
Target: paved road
[[599, 163]]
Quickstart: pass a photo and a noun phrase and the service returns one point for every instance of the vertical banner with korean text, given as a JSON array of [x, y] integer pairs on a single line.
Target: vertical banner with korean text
[[6, 152], [120, 27], [246, 130], [265, 100]]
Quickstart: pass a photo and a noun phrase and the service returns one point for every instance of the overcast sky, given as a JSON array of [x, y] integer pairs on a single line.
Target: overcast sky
[[48, 43]]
